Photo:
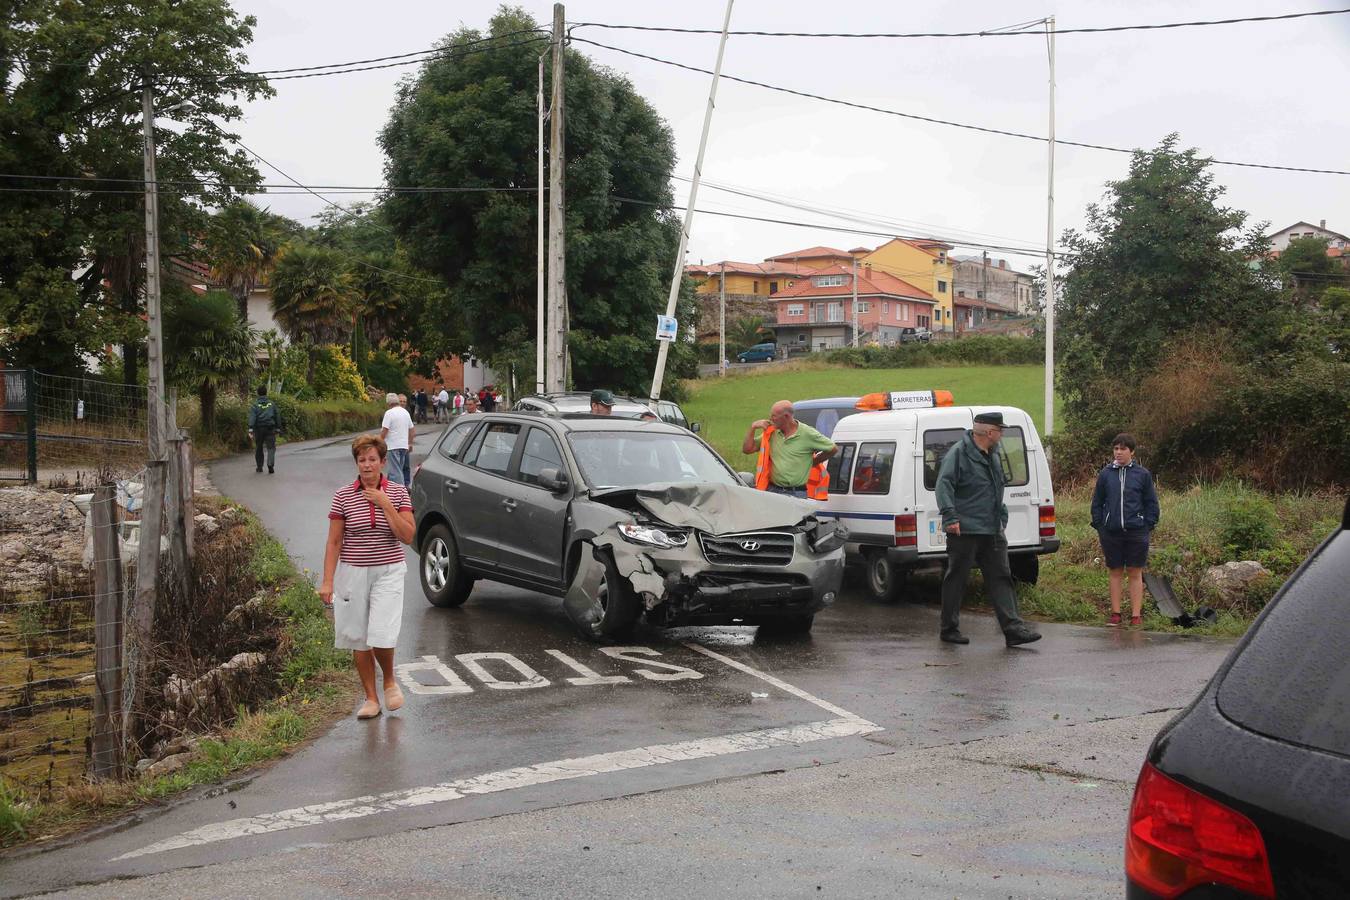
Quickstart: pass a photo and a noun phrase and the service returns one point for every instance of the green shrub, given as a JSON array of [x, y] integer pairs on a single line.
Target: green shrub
[[336, 377], [977, 350], [387, 372], [1248, 526], [15, 814]]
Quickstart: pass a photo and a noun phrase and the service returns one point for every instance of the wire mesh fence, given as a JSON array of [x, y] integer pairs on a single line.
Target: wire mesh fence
[[59, 637]]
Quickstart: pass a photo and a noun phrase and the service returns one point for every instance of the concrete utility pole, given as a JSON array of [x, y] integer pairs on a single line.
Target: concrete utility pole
[[539, 340], [984, 294], [678, 277], [722, 321], [1050, 247], [154, 344], [855, 301], [557, 220]]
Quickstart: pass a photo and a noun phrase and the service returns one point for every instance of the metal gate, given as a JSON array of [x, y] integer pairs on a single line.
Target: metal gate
[[18, 427]]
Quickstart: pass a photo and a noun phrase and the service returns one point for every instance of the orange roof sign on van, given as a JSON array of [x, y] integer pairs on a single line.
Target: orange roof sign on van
[[903, 400]]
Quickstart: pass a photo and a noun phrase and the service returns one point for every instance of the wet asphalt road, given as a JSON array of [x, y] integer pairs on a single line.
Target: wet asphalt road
[[844, 750]]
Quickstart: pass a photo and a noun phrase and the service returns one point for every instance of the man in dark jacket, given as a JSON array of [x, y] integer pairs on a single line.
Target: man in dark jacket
[[970, 497], [1124, 512], [264, 424]]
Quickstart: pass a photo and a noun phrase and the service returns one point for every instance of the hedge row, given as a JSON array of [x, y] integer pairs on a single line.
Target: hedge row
[[301, 420], [975, 350]]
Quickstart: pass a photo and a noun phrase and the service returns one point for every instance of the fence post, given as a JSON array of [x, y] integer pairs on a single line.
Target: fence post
[[107, 743], [178, 503], [140, 618], [30, 394]]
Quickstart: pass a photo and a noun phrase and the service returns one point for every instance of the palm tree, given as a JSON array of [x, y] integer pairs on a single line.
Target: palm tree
[[312, 296], [206, 346], [241, 244], [746, 332]]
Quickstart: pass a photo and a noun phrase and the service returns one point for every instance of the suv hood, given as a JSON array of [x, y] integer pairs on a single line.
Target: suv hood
[[712, 508]]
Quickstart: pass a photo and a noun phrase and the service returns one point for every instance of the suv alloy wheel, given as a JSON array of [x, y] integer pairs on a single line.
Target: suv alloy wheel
[[444, 580]]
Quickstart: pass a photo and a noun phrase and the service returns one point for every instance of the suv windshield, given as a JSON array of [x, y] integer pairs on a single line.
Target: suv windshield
[[616, 459]]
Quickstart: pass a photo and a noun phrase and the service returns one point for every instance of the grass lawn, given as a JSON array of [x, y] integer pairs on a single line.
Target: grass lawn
[[727, 406]]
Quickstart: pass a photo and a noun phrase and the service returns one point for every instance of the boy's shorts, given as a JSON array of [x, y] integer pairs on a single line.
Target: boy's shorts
[[1125, 549]]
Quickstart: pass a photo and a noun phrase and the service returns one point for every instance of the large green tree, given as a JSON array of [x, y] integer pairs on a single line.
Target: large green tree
[[72, 251], [312, 297], [1307, 271], [1159, 257], [468, 120], [240, 244]]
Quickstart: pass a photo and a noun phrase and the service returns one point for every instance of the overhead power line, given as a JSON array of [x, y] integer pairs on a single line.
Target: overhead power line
[[931, 120], [965, 34]]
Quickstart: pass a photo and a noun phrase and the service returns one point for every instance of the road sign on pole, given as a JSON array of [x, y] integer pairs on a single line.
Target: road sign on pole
[[666, 328]]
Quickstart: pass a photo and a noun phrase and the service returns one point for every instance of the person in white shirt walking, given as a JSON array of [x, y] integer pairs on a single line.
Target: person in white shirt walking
[[397, 432], [443, 405]]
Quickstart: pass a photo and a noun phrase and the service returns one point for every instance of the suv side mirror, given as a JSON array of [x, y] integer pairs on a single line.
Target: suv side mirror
[[553, 480], [747, 478], [696, 427]]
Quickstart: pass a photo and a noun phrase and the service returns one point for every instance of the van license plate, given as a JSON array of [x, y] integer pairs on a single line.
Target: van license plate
[[936, 536]]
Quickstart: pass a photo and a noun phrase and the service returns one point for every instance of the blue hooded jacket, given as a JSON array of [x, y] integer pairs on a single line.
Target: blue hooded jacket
[[1125, 499]]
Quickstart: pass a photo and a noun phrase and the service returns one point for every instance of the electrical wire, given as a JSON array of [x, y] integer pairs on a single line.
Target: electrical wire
[[966, 34], [931, 120]]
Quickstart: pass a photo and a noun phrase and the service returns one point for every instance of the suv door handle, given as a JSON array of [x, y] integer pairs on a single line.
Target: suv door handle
[[451, 484], [509, 504]]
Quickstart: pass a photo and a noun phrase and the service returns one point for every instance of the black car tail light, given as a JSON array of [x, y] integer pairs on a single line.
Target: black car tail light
[[1179, 839]]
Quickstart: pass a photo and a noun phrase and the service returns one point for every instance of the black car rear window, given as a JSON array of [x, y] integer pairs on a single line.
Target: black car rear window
[[1292, 681]]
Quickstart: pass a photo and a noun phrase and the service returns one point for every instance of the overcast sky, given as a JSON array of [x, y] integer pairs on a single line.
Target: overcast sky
[[1260, 92]]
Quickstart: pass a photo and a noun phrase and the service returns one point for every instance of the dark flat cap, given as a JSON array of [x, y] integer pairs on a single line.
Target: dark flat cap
[[989, 418], [602, 396]]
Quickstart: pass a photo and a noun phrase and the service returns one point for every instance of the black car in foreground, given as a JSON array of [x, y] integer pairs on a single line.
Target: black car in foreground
[[1246, 793], [625, 520]]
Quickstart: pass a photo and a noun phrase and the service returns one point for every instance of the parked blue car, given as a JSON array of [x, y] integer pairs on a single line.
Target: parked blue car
[[758, 353]]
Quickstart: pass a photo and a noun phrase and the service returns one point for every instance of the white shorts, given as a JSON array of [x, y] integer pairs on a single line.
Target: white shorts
[[367, 605]]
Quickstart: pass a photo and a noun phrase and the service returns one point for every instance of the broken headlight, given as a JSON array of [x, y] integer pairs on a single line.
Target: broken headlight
[[652, 537], [827, 535]]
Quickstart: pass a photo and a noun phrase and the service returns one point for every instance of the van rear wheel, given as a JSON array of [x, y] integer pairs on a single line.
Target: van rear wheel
[[885, 581]]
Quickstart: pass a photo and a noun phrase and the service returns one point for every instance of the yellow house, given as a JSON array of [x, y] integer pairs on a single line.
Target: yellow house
[[924, 264], [744, 279]]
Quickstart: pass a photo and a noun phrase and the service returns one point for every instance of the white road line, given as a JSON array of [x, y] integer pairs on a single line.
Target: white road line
[[511, 779], [777, 682], [846, 724]]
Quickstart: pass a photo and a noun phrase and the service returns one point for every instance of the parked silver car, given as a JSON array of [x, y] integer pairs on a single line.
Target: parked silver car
[[623, 519]]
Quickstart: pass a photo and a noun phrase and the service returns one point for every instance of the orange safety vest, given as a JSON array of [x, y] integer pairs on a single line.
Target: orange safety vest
[[817, 480]]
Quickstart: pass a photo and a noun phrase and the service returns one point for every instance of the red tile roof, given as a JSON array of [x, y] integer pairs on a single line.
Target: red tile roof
[[811, 253], [927, 246], [870, 283]]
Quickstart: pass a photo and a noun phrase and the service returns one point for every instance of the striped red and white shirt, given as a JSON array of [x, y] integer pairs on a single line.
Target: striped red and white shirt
[[367, 539]]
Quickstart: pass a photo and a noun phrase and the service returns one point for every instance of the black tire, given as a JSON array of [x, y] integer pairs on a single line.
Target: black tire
[[885, 581], [444, 580], [1025, 567], [788, 625], [618, 607]]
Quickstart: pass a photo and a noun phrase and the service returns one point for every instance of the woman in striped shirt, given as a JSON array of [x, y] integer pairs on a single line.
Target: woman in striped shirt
[[369, 521]]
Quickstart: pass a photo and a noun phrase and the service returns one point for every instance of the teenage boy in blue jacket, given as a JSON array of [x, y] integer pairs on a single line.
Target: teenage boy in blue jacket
[[1125, 512]]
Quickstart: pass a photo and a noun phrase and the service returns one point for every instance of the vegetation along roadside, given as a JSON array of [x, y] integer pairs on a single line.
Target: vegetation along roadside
[[309, 685]]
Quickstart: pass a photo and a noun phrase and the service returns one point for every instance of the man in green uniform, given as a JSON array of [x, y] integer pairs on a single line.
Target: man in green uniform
[[264, 424], [970, 497]]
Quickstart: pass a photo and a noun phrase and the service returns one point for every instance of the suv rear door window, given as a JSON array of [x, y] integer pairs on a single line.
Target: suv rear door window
[[936, 443], [493, 447], [541, 452], [840, 468], [1292, 680], [872, 474]]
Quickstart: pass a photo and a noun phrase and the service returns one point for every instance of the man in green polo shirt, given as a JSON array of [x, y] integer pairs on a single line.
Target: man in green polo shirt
[[791, 455]]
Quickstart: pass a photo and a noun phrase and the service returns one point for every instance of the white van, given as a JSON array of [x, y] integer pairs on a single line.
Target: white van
[[883, 482]]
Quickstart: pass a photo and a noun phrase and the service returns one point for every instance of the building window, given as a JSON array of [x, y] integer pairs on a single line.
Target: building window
[[903, 312], [828, 280], [979, 295], [942, 287], [960, 293], [795, 309], [801, 339], [864, 306], [885, 307], [773, 287], [755, 288]]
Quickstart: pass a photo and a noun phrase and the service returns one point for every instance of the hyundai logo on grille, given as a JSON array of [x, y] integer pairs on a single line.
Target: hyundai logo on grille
[[749, 546]]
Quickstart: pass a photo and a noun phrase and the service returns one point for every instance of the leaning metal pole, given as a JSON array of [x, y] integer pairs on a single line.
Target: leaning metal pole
[[678, 277], [1050, 248]]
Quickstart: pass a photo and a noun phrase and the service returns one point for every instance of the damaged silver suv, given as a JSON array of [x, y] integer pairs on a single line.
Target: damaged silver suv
[[624, 520]]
